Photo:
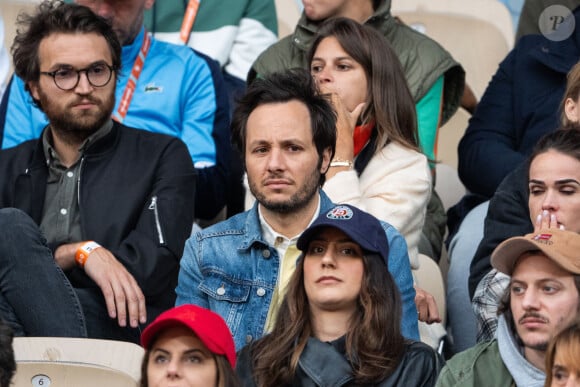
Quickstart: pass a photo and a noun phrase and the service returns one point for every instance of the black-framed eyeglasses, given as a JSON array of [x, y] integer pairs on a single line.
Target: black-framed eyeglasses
[[67, 78]]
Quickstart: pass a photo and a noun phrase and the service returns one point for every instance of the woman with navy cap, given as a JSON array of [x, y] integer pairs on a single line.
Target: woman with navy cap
[[339, 323], [188, 346]]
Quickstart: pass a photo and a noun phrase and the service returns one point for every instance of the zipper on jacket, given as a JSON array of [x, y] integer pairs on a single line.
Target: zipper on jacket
[[153, 206], [79, 181]]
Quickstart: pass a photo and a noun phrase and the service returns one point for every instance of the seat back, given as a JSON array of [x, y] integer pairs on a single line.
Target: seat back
[[9, 9], [51, 374], [448, 186], [288, 16], [70, 361], [429, 278], [449, 135], [492, 11], [477, 33]]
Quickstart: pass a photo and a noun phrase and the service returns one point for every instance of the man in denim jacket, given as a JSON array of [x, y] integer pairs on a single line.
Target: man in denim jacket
[[239, 267]]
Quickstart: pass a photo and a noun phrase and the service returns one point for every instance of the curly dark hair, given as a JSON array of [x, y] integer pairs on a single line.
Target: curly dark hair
[[286, 86], [56, 16]]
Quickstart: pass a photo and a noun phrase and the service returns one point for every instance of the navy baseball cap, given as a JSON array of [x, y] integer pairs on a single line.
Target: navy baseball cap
[[363, 228]]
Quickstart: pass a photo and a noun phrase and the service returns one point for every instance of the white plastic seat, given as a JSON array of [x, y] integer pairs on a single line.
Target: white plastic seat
[[449, 135], [288, 16], [50, 374], [492, 11], [76, 362], [429, 278], [477, 33], [448, 186]]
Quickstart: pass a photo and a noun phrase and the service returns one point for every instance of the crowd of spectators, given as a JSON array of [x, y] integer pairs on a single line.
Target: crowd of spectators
[[132, 132]]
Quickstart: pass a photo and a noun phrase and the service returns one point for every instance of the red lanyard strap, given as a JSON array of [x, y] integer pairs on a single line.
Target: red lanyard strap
[[188, 20], [132, 81]]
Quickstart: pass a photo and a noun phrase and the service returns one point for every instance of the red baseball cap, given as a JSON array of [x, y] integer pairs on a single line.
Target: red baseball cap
[[208, 326]]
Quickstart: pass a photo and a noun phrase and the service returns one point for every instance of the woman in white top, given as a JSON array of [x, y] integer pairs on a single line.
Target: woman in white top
[[378, 166]]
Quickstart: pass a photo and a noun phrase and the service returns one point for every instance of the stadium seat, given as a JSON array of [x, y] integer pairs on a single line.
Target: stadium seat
[[64, 362], [478, 33]]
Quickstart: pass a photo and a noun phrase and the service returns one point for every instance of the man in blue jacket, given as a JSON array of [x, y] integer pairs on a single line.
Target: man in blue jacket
[[238, 268], [94, 215], [163, 88]]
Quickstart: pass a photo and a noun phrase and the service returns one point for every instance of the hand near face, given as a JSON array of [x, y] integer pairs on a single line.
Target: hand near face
[[554, 187], [345, 124], [546, 220], [426, 306], [123, 297]]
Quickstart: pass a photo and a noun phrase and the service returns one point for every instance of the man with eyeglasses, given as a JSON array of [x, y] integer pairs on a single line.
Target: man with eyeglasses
[[161, 87], [93, 215]]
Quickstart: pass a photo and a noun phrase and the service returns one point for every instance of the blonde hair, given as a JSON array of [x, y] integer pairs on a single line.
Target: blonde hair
[[572, 91], [567, 345]]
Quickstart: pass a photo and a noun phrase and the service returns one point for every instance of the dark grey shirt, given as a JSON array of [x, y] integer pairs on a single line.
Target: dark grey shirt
[[61, 221]]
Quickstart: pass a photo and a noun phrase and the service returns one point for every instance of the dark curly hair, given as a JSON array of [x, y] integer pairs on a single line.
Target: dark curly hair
[[286, 86], [55, 16]]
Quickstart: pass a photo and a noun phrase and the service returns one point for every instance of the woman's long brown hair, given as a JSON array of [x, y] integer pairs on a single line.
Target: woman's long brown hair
[[389, 102], [374, 343]]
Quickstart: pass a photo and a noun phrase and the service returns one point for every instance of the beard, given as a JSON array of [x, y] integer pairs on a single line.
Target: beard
[[539, 346], [74, 127], [297, 201]]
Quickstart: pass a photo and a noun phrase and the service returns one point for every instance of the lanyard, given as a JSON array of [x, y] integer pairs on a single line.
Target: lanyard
[[188, 20], [123, 108]]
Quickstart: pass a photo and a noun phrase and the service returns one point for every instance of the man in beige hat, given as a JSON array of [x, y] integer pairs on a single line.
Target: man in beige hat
[[543, 297]]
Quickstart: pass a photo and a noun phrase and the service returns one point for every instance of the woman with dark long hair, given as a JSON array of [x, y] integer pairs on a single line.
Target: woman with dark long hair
[[377, 166], [339, 323]]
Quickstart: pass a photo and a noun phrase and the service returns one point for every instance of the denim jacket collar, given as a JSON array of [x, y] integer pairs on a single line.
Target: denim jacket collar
[[253, 229]]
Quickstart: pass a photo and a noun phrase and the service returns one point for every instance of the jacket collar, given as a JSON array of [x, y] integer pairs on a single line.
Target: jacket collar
[[324, 365], [253, 230], [305, 31], [100, 146]]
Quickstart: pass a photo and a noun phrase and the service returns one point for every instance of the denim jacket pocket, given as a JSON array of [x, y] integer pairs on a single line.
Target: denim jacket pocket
[[222, 288]]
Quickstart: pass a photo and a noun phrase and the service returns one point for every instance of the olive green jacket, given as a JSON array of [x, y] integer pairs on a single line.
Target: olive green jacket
[[479, 366]]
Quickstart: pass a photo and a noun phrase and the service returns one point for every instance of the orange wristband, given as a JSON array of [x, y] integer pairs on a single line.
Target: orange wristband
[[84, 251]]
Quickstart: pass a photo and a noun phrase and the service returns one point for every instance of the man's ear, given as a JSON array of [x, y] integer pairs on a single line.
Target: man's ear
[[325, 161], [33, 87], [149, 3], [571, 110]]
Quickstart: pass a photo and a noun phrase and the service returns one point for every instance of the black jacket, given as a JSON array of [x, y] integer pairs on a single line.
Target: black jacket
[[508, 215], [135, 198], [325, 365]]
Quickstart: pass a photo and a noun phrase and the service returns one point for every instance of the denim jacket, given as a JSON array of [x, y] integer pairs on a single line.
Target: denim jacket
[[230, 269]]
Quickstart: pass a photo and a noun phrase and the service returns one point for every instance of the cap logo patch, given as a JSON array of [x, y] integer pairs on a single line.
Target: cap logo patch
[[340, 213], [543, 238]]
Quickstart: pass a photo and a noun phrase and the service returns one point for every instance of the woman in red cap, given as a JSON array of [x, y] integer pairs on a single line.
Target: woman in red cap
[[188, 346], [339, 323]]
